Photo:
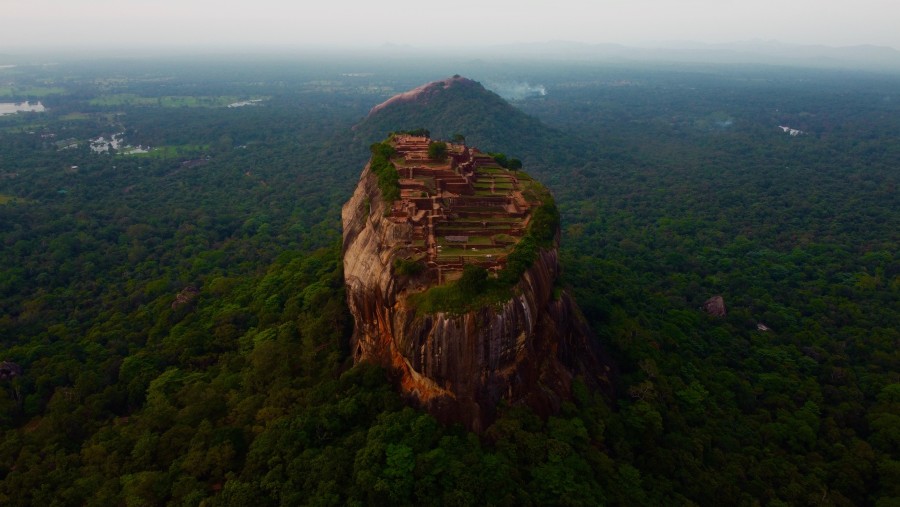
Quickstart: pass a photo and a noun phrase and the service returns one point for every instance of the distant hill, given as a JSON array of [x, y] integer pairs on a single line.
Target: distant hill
[[458, 105]]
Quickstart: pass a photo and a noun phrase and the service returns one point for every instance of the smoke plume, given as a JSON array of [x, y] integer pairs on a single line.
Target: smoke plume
[[517, 91]]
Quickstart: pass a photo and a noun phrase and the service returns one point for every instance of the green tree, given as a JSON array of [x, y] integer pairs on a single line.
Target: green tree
[[437, 150], [473, 280]]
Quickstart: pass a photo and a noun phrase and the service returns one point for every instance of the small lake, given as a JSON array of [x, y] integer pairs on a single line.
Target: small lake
[[13, 107]]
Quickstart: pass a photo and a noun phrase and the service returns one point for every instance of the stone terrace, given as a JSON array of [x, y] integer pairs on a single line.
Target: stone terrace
[[465, 209]]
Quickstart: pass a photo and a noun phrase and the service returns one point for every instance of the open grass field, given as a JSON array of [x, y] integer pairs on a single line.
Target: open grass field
[[30, 92], [130, 99], [480, 241], [477, 241], [75, 117], [179, 151], [505, 238], [123, 99], [478, 209], [11, 199], [449, 253], [478, 229], [471, 231], [452, 226], [490, 170], [477, 222], [27, 127], [482, 185]]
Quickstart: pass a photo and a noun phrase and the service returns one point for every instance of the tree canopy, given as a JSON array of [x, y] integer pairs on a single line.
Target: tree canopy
[[180, 328]]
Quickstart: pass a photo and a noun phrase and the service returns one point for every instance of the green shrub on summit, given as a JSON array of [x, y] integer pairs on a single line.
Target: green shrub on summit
[[476, 288], [437, 150], [388, 177], [406, 267]]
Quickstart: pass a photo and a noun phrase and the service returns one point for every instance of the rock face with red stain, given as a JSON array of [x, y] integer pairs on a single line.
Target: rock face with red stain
[[526, 350], [422, 93], [715, 306]]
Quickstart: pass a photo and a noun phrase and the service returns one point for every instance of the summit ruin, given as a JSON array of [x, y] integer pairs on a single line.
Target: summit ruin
[[464, 208]]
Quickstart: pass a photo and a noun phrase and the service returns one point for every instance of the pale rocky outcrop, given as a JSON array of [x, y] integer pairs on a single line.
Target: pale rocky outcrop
[[525, 351], [186, 296]]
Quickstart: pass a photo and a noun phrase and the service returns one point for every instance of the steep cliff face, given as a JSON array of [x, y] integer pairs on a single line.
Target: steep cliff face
[[525, 350]]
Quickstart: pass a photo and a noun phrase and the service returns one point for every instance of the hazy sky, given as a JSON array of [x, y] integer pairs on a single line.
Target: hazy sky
[[447, 23]]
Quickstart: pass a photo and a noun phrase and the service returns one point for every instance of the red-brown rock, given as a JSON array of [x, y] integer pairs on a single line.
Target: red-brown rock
[[526, 350], [715, 306]]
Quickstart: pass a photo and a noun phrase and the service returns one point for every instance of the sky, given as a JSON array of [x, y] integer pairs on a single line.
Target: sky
[[73, 24]]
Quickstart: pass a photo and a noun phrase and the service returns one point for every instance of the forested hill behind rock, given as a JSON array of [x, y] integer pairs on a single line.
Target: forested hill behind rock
[[458, 105]]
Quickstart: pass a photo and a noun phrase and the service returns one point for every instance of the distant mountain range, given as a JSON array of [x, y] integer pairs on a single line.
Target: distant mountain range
[[865, 57], [861, 57]]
